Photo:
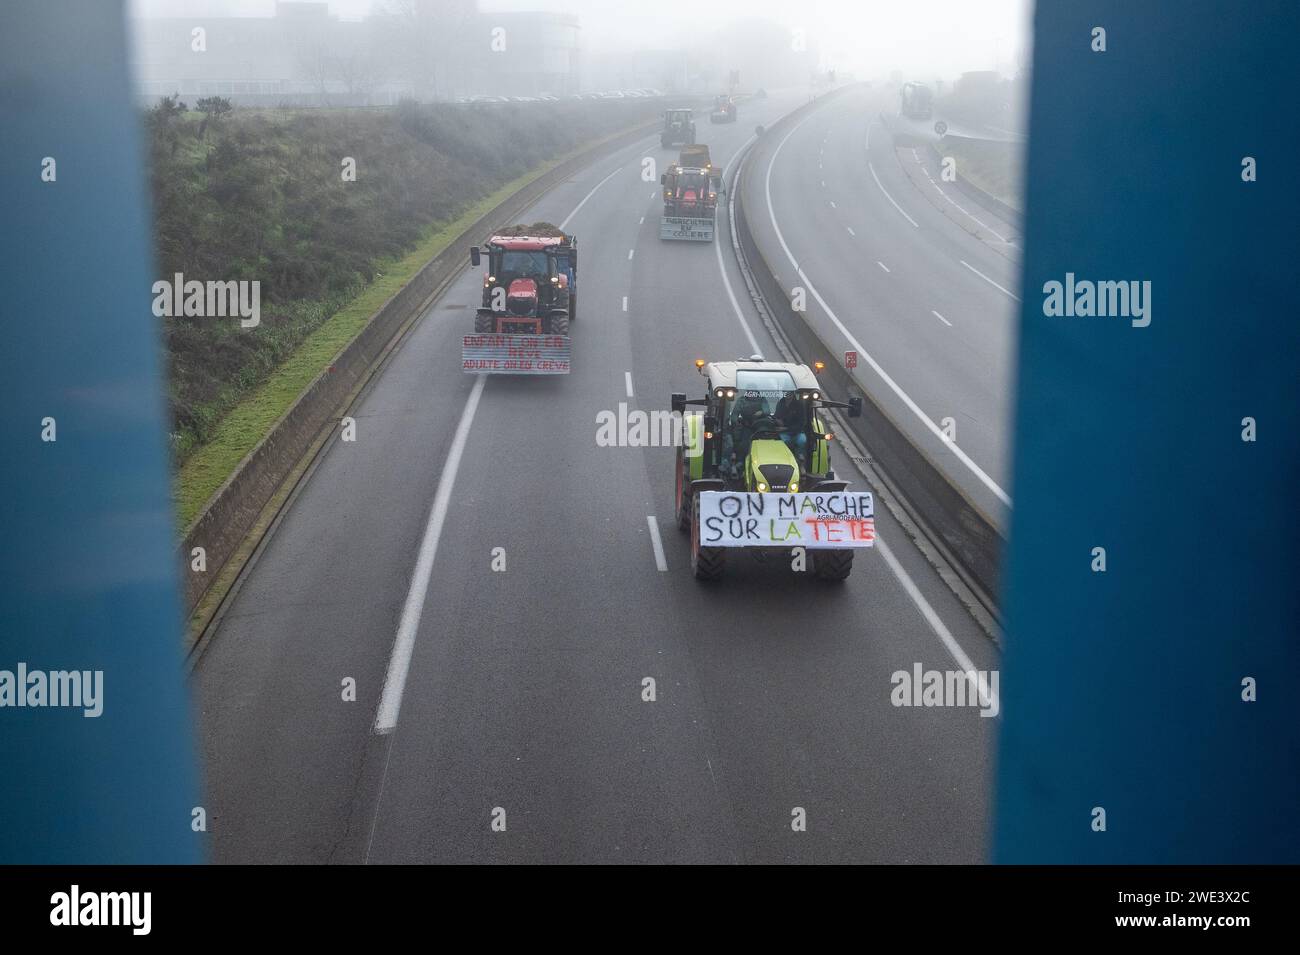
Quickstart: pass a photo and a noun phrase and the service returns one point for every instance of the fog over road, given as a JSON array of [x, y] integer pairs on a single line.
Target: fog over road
[[923, 279]]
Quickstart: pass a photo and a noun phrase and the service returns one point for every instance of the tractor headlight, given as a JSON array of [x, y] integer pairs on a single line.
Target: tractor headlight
[[762, 486], [794, 487]]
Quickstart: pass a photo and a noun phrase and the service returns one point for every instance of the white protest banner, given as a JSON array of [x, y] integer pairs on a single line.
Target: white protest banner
[[819, 520], [515, 354]]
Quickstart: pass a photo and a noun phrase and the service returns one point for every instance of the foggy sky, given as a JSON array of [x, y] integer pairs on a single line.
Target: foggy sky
[[936, 38]]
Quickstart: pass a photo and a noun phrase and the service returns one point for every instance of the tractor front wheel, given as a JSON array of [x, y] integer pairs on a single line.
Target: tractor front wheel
[[707, 563], [484, 322], [682, 499], [558, 324], [832, 564]]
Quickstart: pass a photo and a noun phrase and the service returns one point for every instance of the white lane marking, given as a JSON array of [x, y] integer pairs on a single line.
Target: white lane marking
[[987, 697], [653, 194], [941, 318], [660, 561], [851, 232], [963, 211], [979, 222], [625, 303], [882, 265], [888, 196], [989, 280], [862, 352], [399, 664], [627, 380], [630, 253], [833, 205], [589, 195], [823, 183], [642, 222], [983, 225]]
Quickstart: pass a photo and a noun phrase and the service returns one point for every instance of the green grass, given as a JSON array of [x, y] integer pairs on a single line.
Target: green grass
[[208, 467], [994, 167]]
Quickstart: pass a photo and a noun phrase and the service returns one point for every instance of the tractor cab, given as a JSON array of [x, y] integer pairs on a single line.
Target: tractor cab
[[530, 283], [679, 127], [689, 191], [761, 450], [760, 430]]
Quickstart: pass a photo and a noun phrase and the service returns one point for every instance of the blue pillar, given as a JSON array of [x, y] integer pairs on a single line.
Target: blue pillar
[[87, 572], [1123, 689]]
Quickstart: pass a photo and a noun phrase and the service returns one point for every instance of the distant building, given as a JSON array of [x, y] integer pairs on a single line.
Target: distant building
[[541, 55]]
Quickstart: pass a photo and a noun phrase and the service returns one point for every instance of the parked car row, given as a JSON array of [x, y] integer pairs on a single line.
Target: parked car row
[[646, 93]]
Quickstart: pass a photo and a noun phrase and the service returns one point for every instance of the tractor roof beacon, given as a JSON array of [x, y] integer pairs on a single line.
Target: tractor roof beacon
[[759, 432]]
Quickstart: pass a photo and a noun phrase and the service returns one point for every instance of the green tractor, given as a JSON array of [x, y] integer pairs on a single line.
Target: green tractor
[[679, 127], [759, 434]]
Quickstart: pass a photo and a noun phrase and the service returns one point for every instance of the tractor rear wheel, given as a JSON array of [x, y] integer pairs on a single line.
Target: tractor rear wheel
[[707, 563], [832, 564], [483, 322]]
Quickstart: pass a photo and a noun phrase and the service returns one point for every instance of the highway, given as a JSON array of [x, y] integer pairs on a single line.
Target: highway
[[516, 695], [905, 269]]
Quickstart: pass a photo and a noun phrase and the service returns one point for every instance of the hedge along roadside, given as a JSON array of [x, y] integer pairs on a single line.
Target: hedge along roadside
[[234, 509], [967, 537]]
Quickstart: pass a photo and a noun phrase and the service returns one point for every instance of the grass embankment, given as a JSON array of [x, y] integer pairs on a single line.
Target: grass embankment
[[986, 100], [261, 197], [995, 167]]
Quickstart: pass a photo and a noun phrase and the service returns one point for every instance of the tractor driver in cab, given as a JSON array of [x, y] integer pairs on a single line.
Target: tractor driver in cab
[[749, 415], [523, 264], [792, 411]]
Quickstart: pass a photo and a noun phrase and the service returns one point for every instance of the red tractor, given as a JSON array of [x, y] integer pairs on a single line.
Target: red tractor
[[691, 188], [531, 285]]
